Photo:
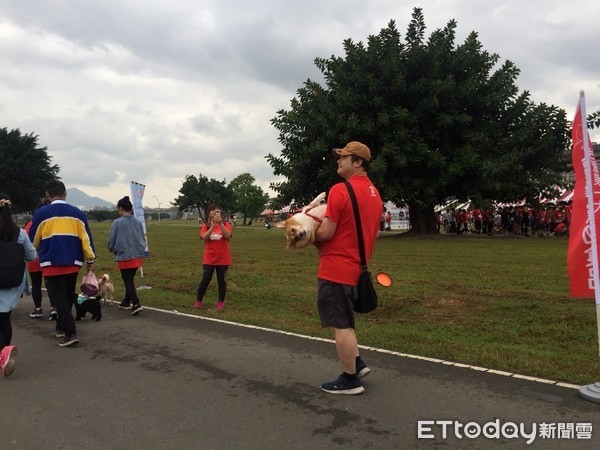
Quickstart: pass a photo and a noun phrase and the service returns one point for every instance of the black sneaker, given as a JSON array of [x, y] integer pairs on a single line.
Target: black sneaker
[[67, 341], [125, 305], [36, 313], [136, 309], [60, 333], [53, 314], [343, 386], [362, 370]]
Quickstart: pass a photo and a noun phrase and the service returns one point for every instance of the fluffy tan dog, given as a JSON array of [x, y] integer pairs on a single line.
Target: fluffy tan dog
[[300, 229], [106, 289]]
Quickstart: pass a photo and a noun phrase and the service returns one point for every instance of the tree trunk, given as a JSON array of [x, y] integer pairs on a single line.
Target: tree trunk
[[422, 218]]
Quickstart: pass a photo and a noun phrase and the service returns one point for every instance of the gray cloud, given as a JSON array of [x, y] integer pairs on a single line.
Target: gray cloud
[[154, 91]]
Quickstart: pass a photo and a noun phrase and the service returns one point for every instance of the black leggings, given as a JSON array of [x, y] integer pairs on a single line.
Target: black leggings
[[5, 329], [36, 288], [130, 293], [207, 274]]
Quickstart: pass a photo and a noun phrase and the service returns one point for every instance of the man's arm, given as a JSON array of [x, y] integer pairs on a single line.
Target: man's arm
[[326, 230]]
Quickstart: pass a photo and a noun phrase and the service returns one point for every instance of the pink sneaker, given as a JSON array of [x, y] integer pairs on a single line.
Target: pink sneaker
[[7, 360], [197, 305], [220, 305]]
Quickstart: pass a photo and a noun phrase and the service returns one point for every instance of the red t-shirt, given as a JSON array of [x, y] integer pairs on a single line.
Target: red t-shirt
[[130, 263], [216, 249], [560, 228], [32, 266], [340, 258], [558, 216], [53, 271]]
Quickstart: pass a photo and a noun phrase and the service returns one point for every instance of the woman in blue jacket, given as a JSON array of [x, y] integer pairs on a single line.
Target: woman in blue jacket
[[127, 242]]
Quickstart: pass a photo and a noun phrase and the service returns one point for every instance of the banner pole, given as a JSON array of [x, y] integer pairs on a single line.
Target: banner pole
[[143, 284]]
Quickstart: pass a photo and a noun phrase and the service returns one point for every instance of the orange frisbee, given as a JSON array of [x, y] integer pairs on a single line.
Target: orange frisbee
[[383, 279]]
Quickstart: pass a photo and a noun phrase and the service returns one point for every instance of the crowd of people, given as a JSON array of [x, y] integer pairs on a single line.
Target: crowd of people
[[525, 220], [56, 244], [59, 244]]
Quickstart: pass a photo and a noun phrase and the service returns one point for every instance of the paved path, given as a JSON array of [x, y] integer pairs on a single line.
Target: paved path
[[165, 381]]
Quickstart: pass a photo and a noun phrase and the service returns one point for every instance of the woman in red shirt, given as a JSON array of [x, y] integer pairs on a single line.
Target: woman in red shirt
[[217, 257]]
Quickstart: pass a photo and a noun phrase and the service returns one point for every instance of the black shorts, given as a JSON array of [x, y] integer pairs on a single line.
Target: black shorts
[[335, 304]]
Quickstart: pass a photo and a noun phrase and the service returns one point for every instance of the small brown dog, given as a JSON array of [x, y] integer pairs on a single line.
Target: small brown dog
[[106, 289], [300, 229]]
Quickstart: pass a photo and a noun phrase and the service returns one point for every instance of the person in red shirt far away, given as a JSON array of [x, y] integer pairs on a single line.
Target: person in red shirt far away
[[217, 256]]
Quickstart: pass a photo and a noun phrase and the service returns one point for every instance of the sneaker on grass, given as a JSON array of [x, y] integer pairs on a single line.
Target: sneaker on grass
[[198, 304], [343, 386]]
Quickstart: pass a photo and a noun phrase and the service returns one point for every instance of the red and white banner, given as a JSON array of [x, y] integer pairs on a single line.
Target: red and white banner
[[582, 257]]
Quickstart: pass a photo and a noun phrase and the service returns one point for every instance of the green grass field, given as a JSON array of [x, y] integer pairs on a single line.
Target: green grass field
[[498, 302]]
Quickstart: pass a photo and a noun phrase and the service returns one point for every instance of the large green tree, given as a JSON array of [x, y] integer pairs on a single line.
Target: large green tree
[[442, 120], [198, 193], [25, 169], [249, 199]]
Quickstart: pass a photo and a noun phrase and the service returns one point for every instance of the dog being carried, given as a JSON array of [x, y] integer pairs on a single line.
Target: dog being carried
[[300, 229]]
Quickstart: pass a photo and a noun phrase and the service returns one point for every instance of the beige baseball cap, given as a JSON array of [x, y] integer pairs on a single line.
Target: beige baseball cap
[[353, 148]]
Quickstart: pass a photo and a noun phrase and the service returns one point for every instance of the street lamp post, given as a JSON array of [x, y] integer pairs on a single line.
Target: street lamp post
[[158, 206]]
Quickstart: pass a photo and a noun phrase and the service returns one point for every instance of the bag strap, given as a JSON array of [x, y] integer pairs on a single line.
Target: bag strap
[[361, 245]]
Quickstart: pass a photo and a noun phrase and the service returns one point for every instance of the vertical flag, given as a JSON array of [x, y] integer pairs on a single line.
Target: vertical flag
[[582, 256], [137, 193]]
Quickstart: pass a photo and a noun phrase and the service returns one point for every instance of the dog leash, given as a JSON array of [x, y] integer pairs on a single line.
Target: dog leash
[[315, 218]]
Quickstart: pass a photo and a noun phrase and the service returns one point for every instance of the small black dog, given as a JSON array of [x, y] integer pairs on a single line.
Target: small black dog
[[85, 304]]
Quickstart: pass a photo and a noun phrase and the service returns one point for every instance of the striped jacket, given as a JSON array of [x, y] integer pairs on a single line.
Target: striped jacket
[[61, 235]]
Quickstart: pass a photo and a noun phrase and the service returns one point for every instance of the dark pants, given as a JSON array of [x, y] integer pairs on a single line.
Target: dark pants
[[36, 288], [5, 329], [61, 291], [130, 293], [207, 274]]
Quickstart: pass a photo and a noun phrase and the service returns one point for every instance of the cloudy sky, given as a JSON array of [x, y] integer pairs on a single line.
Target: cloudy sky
[[152, 91]]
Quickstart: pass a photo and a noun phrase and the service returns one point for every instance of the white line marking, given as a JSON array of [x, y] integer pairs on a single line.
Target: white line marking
[[375, 349]]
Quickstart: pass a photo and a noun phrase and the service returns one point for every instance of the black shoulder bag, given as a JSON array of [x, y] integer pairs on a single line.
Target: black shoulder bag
[[367, 297]]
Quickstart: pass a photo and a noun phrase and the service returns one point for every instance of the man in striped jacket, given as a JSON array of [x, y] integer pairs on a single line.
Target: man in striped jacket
[[62, 237]]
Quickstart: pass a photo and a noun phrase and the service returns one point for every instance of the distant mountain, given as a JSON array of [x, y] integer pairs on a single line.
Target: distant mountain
[[84, 202]]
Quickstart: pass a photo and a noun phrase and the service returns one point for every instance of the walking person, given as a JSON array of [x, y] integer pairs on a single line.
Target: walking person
[[10, 290], [339, 262], [217, 256], [61, 234], [127, 242], [35, 274]]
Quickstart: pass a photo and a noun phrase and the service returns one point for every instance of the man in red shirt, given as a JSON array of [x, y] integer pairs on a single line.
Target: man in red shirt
[[339, 263]]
